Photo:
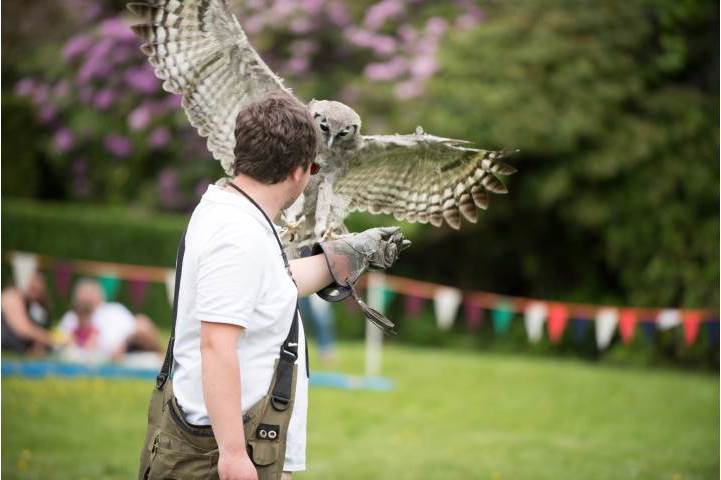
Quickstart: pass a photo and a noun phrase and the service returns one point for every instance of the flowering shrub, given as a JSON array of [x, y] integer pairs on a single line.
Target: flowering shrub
[[116, 136]]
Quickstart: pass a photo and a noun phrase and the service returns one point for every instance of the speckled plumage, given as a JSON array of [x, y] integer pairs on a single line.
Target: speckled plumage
[[200, 51]]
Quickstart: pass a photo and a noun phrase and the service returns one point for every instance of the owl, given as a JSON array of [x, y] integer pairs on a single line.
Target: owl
[[200, 51]]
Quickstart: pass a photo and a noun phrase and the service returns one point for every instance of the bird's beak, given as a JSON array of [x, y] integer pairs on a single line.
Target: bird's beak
[[330, 140]]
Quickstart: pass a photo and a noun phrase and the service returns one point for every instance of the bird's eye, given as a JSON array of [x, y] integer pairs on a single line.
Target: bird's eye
[[343, 133], [316, 115], [324, 127]]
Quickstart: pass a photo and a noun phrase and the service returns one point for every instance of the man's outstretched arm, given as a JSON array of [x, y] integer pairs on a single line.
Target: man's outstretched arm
[[310, 274]]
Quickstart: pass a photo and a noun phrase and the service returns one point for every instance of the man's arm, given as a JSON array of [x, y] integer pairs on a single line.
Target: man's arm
[[17, 317], [221, 390], [310, 274]]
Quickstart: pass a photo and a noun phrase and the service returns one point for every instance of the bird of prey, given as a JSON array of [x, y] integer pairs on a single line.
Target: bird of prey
[[200, 51]]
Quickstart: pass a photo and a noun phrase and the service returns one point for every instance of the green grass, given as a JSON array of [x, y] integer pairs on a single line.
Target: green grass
[[453, 415]]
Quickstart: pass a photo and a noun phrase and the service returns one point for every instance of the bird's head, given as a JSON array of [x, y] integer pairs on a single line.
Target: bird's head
[[339, 123]]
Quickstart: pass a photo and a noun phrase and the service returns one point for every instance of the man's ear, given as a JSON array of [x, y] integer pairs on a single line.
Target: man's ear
[[298, 173]]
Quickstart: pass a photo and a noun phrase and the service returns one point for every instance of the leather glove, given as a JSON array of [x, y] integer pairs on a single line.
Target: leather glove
[[351, 255]]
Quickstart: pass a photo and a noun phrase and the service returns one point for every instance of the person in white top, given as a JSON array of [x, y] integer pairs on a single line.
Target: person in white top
[[236, 300], [114, 328]]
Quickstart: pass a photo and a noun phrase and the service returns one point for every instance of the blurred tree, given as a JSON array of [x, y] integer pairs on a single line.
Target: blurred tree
[[614, 107]]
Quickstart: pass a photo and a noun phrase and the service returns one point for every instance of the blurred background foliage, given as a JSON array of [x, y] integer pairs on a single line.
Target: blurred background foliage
[[613, 106]]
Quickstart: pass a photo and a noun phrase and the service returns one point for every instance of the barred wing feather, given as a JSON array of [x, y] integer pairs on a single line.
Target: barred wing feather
[[199, 50], [423, 178]]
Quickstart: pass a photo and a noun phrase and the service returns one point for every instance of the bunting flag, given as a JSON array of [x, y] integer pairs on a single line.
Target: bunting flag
[[501, 316], [606, 321], [63, 278], [668, 319], [138, 290], [413, 305], [535, 316], [24, 266], [713, 331], [110, 284], [474, 316], [580, 329], [691, 323], [648, 327], [557, 318], [446, 301], [388, 296], [627, 324], [170, 284]]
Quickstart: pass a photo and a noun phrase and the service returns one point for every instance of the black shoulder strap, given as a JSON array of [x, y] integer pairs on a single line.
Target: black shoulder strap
[[168, 362]]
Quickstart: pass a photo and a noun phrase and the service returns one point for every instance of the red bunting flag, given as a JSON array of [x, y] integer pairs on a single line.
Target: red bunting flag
[[474, 316], [691, 322], [138, 290], [63, 276], [627, 324], [413, 305], [557, 318]]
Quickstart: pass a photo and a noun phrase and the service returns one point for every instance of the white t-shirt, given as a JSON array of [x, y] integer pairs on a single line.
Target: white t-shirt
[[114, 322], [233, 273]]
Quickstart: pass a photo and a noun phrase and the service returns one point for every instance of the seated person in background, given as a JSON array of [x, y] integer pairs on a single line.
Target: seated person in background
[[25, 318], [108, 328]]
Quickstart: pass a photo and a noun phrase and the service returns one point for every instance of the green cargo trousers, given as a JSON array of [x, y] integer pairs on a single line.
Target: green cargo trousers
[[177, 450]]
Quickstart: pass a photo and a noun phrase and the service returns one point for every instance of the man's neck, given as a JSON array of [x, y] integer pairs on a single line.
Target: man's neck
[[270, 198]]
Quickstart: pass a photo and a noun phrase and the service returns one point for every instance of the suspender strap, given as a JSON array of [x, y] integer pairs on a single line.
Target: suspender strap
[[168, 362], [281, 395]]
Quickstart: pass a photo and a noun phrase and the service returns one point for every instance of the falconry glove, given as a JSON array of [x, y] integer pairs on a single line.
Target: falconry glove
[[351, 255]]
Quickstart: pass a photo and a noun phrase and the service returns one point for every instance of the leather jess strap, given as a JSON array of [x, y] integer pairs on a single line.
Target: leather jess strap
[[282, 390]]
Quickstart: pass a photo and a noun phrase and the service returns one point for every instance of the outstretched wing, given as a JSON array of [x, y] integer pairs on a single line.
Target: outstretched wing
[[423, 178], [200, 51]]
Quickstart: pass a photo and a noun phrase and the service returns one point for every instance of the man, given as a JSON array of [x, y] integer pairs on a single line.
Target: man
[[25, 318], [118, 330], [236, 301]]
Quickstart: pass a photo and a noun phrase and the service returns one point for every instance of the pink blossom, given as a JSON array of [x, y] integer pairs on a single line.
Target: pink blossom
[[63, 140], [118, 145], [81, 185], [104, 98], [386, 71], [140, 117], [116, 28], [297, 65], [254, 23], [76, 46], [159, 137], [313, 7], [300, 25], [423, 67], [41, 93], [436, 26], [47, 113], [142, 79], [338, 14], [168, 187], [86, 94], [382, 11], [24, 87]]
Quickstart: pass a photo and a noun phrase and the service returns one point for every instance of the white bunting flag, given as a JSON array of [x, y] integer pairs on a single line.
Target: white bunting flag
[[170, 284], [446, 301], [668, 319], [24, 266], [606, 321], [535, 317]]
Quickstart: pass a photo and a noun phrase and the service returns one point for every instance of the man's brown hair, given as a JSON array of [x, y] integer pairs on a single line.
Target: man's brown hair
[[272, 137]]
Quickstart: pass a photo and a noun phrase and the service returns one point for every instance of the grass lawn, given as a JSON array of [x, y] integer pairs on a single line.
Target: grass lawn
[[453, 415]]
